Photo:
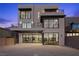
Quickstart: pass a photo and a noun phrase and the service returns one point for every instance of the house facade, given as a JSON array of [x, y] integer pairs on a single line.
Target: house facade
[[40, 23]]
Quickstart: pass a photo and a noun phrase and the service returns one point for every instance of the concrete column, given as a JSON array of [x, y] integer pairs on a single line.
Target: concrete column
[[20, 38], [61, 32], [43, 38], [61, 39]]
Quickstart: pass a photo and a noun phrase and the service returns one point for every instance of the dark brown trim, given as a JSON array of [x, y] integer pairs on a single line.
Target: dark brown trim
[[25, 9]]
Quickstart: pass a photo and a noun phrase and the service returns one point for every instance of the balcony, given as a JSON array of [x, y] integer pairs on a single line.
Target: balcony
[[35, 27], [56, 13]]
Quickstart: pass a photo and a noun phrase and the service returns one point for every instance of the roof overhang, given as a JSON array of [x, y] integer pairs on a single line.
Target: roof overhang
[[43, 17], [26, 30]]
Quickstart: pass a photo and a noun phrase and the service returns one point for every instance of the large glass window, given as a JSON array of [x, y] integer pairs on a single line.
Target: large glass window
[[55, 23], [75, 26], [50, 38], [28, 15], [32, 37], [51, 23], [26, 25], [46, 37], [25, 14], [46, 23], [22, 14]]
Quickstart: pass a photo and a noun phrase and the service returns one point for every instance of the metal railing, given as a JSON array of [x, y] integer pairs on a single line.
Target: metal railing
[[57, 11], [36, 25]]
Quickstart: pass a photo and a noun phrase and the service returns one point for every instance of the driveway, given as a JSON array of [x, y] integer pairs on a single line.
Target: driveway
[[31, 49]]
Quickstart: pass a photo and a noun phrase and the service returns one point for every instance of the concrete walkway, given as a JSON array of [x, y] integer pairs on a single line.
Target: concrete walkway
[[31, 49]]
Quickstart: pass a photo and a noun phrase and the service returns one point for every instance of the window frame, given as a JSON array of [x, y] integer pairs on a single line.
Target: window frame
[[53, 35], [53, 26]]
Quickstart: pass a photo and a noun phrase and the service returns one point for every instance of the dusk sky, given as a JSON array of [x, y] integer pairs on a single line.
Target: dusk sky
[[9, 12]]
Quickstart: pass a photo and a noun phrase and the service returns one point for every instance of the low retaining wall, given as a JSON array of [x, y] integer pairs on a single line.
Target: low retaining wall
[[72, 42], [7, 41]]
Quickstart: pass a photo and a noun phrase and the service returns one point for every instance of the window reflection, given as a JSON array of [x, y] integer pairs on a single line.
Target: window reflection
[[46, 23], [26, 25], [25, 15], [55, 23], [51, 23]]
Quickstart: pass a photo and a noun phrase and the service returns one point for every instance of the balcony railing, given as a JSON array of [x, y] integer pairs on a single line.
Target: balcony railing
[[37, 25], [34, 25], [59, 11]]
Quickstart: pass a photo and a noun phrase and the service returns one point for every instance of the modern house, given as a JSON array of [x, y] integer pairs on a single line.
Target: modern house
[[40, 23]]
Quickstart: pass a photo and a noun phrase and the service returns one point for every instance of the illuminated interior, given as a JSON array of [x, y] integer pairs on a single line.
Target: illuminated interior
[[31, 37], [51, 38]]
